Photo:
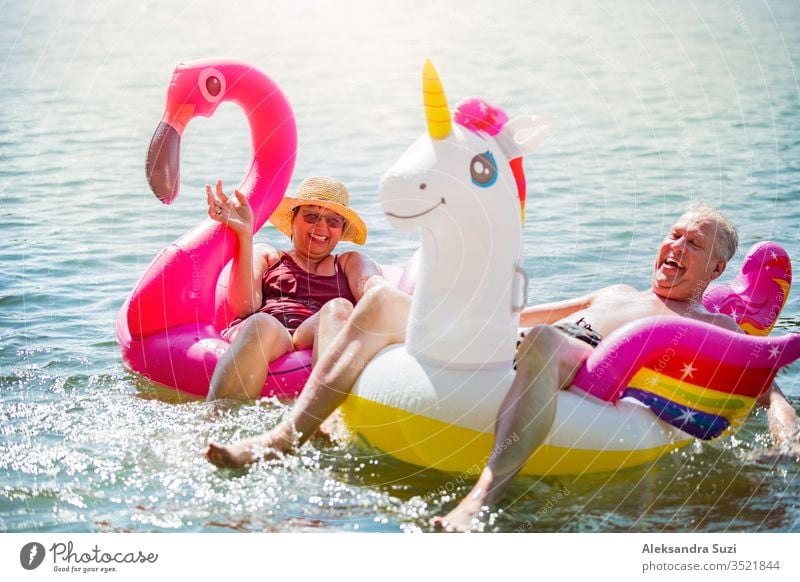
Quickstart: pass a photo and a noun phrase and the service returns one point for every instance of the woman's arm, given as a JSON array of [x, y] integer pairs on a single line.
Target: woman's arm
[[358, 268], [244, 288]]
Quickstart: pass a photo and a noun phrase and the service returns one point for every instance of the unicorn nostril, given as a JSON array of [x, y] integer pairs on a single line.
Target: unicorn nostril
[[422, 186]]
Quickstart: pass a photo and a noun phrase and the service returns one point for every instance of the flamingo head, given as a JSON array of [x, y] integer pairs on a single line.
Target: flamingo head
[[197, 88]]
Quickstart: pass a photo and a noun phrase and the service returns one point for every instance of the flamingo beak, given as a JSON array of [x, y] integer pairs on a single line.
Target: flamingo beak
[[163, 163]]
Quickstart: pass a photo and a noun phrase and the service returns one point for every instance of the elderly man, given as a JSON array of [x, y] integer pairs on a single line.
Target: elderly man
[[694, 253]]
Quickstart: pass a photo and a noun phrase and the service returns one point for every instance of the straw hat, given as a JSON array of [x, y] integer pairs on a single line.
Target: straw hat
[[327, 193]]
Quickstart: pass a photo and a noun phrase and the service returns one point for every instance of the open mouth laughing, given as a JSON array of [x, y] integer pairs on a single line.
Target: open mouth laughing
[[672, 263], [318, 238]]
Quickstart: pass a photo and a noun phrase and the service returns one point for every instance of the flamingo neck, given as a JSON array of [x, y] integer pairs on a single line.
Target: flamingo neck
[[188, 269], [274, 141]]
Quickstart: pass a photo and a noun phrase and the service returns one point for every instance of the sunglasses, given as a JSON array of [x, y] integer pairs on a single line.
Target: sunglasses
[[333, 220]]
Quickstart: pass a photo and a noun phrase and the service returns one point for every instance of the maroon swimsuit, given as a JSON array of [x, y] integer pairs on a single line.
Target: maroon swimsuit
[[292, 295]]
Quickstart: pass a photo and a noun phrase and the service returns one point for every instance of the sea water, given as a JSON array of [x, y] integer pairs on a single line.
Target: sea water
[[655, 105]]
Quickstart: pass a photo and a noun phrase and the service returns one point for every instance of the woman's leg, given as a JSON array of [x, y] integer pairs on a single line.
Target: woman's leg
[[332, 319], [303, 336], [318, 331], [377, 321], [242, 370]]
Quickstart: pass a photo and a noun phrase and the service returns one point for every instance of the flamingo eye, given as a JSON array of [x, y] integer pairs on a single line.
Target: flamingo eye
[[483, 170], [212, 85]]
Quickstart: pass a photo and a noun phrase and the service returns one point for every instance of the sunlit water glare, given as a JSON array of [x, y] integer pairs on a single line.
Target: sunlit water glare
[[655, 104]]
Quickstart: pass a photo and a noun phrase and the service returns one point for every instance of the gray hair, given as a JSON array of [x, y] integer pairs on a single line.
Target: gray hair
[[726, 237]]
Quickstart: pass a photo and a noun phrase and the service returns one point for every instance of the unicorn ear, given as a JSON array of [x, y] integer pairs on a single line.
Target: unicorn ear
[[522, 135]]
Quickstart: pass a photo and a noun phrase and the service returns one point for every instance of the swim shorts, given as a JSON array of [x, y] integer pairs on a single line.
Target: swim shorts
[[580, 330]]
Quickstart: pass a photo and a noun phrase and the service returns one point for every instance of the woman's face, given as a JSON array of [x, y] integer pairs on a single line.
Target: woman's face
[[316, 231]]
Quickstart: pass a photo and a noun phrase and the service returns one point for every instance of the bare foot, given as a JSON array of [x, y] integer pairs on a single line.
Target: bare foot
[[466, 515], [332, 431], [324, 436], [266, 447], [473, 509], [464, 518], [234, 456]]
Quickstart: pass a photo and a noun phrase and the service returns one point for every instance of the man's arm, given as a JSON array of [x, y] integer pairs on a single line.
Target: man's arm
[[782, 417], [548, 313]]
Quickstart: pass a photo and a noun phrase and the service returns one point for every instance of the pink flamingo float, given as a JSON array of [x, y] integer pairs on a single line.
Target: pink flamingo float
[[168, 329]]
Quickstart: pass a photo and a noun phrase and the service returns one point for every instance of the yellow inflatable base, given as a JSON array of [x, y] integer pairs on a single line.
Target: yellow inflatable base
[[432, 443]]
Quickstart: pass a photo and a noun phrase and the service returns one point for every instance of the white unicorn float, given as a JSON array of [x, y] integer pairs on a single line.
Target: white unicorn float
[[433, 401]]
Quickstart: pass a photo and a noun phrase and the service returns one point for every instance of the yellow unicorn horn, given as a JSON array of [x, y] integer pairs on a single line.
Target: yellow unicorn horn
[[436, 112]]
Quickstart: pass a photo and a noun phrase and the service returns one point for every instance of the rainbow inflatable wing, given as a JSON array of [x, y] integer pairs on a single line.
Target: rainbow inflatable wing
[[696, 377], [759, 292]]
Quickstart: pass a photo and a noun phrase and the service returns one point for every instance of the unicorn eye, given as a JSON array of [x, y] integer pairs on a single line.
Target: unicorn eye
[[483, 170]]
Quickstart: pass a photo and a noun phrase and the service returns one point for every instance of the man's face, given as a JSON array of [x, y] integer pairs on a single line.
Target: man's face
[[687, 261]]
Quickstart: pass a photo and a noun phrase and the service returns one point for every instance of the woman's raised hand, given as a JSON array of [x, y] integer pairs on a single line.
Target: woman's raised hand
[[237, 214]]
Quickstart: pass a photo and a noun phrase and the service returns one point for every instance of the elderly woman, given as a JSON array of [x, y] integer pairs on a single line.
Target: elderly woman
[[277, 295]]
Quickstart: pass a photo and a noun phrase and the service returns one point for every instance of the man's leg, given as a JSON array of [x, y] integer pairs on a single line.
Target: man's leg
[[378, 320], [242, 369], [547, 361]]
